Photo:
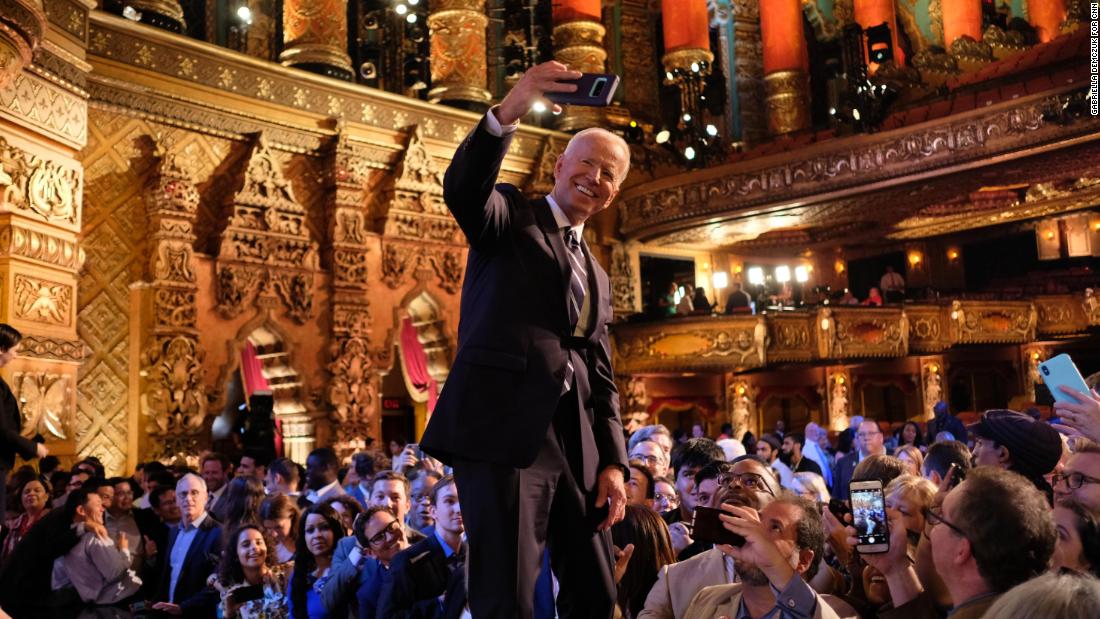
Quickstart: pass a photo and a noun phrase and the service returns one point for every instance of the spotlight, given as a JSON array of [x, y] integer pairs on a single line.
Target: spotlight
[[368, 71], [695, 67], [413, 2], [687, 118], [668, 75], [689, 153], [411, 18], [712, 130], [855, 113], [663, 136], [782, 274], [401, 9], [244, 14]]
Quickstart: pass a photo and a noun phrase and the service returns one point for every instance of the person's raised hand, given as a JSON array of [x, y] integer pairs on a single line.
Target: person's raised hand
[[40, 450], [758, 549], [611, 491], [894, 559], [1080, 417], [622, 559], [536, 82], [406, 460], [150, 546], [836, 535], [168, 608], [681, 537]]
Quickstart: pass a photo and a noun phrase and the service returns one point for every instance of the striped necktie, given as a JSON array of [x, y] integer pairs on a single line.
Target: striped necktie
[[578, 275]]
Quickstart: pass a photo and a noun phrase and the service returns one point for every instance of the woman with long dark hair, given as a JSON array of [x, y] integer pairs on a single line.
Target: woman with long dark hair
[[242, 498], [911, 434], [247, 562], [320, 529], [647, 535], [279, 517]]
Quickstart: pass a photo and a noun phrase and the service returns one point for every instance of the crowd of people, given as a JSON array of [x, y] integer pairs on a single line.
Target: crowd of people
[[983, 522]]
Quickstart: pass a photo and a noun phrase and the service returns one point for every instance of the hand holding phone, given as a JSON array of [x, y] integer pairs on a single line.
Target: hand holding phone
[[1060, 371], [593, 89], [869, 517], [707, 527], [247, 594]]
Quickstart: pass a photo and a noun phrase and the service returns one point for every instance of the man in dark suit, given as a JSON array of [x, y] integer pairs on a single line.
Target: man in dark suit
[[192, 554], [12, 441], [869, 442], [529, 418], [426, 580]]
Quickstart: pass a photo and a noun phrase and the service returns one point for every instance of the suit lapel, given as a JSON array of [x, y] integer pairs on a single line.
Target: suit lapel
[[554, 238]]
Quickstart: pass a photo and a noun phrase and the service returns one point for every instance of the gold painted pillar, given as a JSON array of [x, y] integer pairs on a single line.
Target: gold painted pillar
[[741, 404], [578, 43], [166, 356], [640, 85], [41, 198], [933, 375], [634, 401], [786, 82], [315, 37], [838, 397], [748, 70], [1047, 17], [458, 60]]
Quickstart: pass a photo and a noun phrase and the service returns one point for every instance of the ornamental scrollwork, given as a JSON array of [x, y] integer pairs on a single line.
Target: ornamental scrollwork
[[34, 183], [43, 301], [45, 400], [173, 399], [351, 392]]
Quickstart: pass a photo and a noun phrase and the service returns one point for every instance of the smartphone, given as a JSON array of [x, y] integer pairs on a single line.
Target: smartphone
[[593, 89], [415, 447], [1060, 370], [707, 527], [247, 594], [869, 516], [839, 508]]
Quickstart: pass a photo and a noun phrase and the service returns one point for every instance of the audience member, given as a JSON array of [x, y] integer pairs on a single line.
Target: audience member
[[347, 508], [687, 459], [279, 519], [656, 433], [250, 583], [33, 505], [652, 455], [910, 434], [811, 486], [910, 495], [784, 544], [364, 561], [1078, 545], [738, 301], [1016, 442], [215, 471], [242, 502], [644, 538], [685, 305], [1080, 479], [420, 495], [97, 567], [138, 525], [254, 463], [816, 449], [793, 445], [427, 579], [944, 455], [153, 473], [321, 479], [707, 493], [363, 465], [945, 421], [731, 447], [880, 468], [665, 499], [320, 531], [1050, 596], [911, 457], [699, 302], [1080, 414], [282, 478], [768, 448], [868, 442], [639, 488], [191, 554], [391, 489], [874, 298]]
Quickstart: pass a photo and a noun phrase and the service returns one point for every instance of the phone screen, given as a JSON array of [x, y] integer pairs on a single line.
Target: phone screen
[[869, 516]]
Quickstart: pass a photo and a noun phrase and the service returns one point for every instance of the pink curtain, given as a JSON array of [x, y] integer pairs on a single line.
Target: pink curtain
[[252, 379], [416, 365]]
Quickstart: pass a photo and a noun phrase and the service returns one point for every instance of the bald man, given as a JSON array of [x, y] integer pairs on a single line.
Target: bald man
[[529, 418], [194, 546]]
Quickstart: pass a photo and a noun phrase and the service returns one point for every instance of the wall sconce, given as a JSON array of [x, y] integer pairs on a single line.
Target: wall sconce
[[839, 267], [915, 258], [740, 391], [737, 269], [840, 380], [782, 274], [952, 254], [801, 274], [935, 369], [720, 280]]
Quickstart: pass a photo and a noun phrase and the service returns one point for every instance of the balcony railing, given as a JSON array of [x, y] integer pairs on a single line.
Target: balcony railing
[[842, 333]]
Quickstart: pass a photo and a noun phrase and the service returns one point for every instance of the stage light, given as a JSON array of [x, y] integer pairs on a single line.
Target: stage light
[[689, 153], [244, 14], [663, 136], [687, 118], [401, 9], [721, 280], [782, 274], [756, 276], [712, 130], [801, 274], [411, 18]]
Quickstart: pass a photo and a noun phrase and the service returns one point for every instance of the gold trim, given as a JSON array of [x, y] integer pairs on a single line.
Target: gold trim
[[787, 99], [682, 59]]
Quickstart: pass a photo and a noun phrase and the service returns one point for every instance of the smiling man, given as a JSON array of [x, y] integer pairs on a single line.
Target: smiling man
[[531, 404]]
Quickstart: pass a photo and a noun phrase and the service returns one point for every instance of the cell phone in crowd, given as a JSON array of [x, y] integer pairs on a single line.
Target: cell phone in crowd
[[869, 516], [1058, 371], [247, 594], [415, 449], [593, 89], [839, 507], [707, 527]]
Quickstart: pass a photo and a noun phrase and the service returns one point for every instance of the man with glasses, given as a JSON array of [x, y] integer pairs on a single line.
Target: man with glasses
[[991, 533], [869, 442], [747, 483], [665, 498], [361, 562], [420, 515], [653, 455], [1080, 480]]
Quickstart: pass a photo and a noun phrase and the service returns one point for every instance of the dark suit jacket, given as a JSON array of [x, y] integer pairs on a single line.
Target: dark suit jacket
[[417, 577], [514, 335], [192, 594], [12, 441], [842, 474], [25, 579]]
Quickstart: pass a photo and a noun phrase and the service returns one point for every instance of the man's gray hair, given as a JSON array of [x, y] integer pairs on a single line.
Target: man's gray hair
[[201, 481], [646, 433], [603, 132]]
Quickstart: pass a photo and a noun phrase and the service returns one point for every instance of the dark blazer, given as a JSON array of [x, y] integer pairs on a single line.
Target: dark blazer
[[417, 577], [514, 335], [25, 578], [842, 474], [192, 594], [12, 441]]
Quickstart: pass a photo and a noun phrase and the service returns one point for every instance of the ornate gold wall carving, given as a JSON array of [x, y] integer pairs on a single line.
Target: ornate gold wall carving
[[44, 187], [40, 246], [932, 373], [315, 36], [624, 301], [45, 401], [740, 403], [997, 322], [174, 399], [736, 342], [850, 333], [40, 300], [1061, 314], [458, 52], [42, 347], [633, 401], [787, 98], [838, 386]]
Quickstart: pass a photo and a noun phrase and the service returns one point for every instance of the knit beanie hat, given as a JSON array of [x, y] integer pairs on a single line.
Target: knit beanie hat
[[1033, 446]]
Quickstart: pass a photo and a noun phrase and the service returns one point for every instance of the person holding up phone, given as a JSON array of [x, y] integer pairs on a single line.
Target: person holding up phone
[[782, 550], [252, 585]]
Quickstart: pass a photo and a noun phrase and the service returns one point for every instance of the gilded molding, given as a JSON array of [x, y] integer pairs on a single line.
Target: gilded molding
[[22, 26], [40, 246], [173, 398], [70, 15], [738, 342], [41, 187], [993, 322], [44, 301], [43, 347], [49, 106], [458, 52], [855, 333], [682, 201]]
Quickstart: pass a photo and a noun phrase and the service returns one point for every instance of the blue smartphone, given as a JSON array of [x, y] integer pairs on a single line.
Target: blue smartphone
[[594, 89], [1060, 370]]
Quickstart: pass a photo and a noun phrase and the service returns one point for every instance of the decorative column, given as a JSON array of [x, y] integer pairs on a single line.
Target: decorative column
[[22, 26], [638, 51], [578, 43], [1047, 17], [458, 60], [741, 404], [315, 37], [738, 25], [962, 34], [786, 84], [871, 13], [933, 371], [838, 385], [352, 392], [633, 401], [169, 367]]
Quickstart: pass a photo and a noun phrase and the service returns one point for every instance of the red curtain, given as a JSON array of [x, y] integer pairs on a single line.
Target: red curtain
[[415, 361], [252, 379]]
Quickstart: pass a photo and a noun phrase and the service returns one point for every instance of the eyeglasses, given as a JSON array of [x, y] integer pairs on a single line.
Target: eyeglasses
[[934, 517], [393, 528], [751, 481], [665, 502], [867, 435], [649, 460], [1073, 480]]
